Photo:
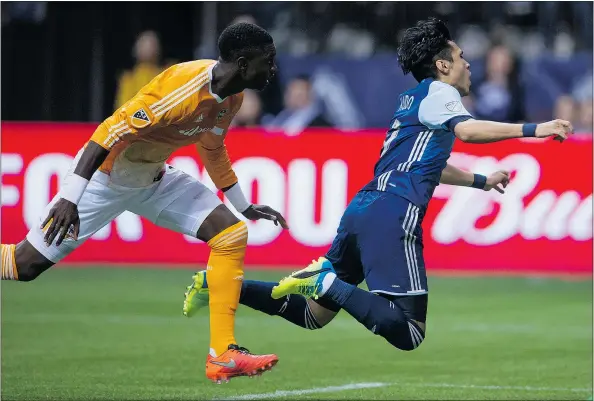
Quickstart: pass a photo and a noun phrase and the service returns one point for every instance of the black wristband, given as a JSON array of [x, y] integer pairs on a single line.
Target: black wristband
[[479, 181], [529, 130]]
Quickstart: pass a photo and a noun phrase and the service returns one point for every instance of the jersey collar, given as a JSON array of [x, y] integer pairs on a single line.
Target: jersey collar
[[217, 97]]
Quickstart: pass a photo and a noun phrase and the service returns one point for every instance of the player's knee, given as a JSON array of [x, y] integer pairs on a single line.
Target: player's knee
[[233, 238], [221, 219], [405, 335], [406, 338]]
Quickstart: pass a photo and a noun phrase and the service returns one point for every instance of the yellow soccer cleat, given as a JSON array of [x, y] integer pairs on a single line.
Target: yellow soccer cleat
[[308, 282], [196, 296]]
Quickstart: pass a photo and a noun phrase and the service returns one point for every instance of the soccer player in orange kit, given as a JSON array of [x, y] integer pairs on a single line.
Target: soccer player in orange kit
[[122, 167]]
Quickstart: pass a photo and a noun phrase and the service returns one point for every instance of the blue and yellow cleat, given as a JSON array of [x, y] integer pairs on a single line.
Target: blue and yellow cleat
[[196, 296], [307, 282]]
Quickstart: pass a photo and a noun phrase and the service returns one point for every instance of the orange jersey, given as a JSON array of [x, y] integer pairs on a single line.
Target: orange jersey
[[177, 108]]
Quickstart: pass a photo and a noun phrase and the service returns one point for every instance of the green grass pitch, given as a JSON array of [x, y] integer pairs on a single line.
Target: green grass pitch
[[118, 334]]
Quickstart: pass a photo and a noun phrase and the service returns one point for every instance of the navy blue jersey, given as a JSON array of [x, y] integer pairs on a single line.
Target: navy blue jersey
[[419, 142]]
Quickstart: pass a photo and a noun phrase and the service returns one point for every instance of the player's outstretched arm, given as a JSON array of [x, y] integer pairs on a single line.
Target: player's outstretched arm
[[218, 165], [454, 176], [477, 131], [64, 214]]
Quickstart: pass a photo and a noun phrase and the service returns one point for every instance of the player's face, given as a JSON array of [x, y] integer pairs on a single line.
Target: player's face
[[460, 71], [261, 69]]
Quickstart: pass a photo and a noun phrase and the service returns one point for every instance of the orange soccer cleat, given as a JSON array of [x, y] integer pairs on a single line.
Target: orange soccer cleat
[[237, 361]]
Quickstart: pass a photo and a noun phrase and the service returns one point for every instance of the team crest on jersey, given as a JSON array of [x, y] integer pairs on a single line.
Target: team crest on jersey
[[454, 106], [140, 119], [221, 115]]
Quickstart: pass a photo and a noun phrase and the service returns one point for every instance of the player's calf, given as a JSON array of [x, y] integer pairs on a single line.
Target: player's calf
[[293, 308], [382, 316], [22, 262]]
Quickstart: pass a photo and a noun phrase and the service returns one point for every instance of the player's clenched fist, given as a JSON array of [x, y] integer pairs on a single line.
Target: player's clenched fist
[[62, 216], [557, 128], [257, 212], [497, 181]]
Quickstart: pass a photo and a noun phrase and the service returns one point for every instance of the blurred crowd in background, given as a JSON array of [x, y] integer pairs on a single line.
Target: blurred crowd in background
[[337, 64]]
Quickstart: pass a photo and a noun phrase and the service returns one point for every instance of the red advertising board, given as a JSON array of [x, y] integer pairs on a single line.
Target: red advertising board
[[542, 224]]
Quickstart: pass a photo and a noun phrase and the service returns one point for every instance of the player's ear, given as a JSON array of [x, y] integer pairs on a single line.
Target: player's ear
[[443, 66], [242, 65]]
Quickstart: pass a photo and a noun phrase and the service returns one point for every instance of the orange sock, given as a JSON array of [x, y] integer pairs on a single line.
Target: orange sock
[[225, 276], [9, 269]]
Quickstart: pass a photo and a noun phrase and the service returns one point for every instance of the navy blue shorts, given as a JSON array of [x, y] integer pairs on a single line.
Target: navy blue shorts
[[379, 240]]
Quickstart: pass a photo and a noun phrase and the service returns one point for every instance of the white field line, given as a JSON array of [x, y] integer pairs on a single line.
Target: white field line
[[355, 386], [315, 390]]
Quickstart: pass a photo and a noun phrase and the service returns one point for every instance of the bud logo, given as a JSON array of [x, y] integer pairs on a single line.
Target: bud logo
[[547, 215]]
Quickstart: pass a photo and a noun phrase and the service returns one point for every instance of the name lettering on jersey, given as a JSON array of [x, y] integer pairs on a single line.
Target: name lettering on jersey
[[140, 119], [454, 106], [406, 102]]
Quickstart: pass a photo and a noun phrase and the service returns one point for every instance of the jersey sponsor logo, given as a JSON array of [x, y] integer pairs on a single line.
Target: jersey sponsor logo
[[454, 106], [194, 131], [221, 115], [200, 118], [140, 119]]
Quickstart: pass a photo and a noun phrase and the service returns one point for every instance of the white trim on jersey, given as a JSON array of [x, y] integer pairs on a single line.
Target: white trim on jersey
[[159, 111], [417, 151], [119, 131], [217, 97], [171, 96], [382, 181]]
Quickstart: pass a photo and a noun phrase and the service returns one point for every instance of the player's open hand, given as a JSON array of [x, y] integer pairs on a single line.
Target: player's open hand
[[497, 181], [558, 129], [257, 212], [62, 216]]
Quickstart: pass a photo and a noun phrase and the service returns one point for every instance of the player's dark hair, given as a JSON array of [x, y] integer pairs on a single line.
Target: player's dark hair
[[422, 45], [243, 39]]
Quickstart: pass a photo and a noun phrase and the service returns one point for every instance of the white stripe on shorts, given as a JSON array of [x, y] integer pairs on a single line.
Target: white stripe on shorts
[[415, 335], [410, 222]]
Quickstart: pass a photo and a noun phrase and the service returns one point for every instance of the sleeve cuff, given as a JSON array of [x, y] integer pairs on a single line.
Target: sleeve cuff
[[452, 122]]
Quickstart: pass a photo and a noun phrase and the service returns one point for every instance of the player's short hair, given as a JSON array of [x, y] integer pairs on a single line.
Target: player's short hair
[[423, 44], [243, 39]]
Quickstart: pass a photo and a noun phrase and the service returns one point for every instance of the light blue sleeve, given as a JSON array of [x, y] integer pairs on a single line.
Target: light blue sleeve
[[443, 102]]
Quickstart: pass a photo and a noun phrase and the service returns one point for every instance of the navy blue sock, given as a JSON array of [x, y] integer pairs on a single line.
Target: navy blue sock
[[294, 308], [380, 315]]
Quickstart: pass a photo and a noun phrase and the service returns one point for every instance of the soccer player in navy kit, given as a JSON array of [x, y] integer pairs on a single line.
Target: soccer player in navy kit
[[379, 239]]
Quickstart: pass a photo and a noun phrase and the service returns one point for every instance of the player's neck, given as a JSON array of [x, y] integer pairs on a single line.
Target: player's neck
[[445, 80], [225, 81]]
